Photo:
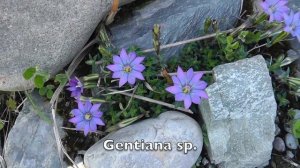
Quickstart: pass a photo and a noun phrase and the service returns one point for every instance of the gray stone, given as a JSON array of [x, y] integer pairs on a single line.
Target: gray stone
[[277, 130], [279, 144], [170, 127], [240, 114], [179, 20], [31, 142], [43, 33], [290, 141], [297, 115], [290, 154]]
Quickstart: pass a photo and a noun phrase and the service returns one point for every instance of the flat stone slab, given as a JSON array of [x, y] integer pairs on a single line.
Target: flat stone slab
[[31, 142], [43, 33], [240, 114], [169, 127]]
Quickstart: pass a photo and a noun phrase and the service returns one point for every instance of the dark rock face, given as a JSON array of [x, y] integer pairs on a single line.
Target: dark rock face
[[179, 20]]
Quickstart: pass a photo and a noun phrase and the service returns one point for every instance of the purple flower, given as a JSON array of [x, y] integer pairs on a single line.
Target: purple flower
[[292, 24], [275, 9], [87, 117], [188, 87], [75, 86], [127, 67]]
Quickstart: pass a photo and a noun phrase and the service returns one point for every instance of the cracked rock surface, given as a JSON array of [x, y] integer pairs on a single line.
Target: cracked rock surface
[[240, 114], [170, 127]]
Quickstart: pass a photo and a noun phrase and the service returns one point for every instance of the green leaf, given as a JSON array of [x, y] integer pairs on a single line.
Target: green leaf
[[61, 78], [281, 36], [1, 125], [49, 94], [11, 104], [50, 87], [39, 81], [29, 73], [296, 128], [43, 91]]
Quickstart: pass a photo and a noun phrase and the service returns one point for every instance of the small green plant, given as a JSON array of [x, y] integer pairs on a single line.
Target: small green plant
[[40, 79]]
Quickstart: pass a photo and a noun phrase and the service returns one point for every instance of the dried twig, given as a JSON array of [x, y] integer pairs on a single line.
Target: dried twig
[[154, 101], [188, 41], [79, 57], [175, 73]]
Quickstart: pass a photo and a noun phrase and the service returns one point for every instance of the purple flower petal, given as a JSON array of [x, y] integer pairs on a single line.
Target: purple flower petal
[[137, 60], [115, 67], [117, 60], [181, 75], [195, 99], [98, 121], [123, 80], [80, 106], [93, 126], [176, 81], [131, 79], [132, 57], [95, 107], [76, 119], [118, 74], [174, 89], [187, 102], [201, 85], [97, 114], [189, 74], [86, 129], [124, 56], [137, 74], [80, 125], [180, 96], [87, 106], [76, 112], [139, 67]]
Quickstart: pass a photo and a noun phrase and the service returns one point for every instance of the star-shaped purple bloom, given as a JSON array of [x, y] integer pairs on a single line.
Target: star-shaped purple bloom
[[127, 67], [75, 86], [188, 87], [275, 9], [87, 117], [292, 24]]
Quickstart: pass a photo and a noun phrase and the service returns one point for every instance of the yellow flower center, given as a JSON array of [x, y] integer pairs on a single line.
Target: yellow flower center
[[88, 116], [186, 89], [127, 69]]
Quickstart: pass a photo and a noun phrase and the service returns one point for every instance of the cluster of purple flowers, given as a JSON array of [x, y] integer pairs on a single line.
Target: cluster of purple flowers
[[278, 11], [187, 86], [128, 67], [87, 116]]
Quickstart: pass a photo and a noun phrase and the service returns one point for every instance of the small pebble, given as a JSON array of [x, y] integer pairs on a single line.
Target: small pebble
[[205, 161], [278, 144], [277, 131], [277, 120], [290, 141], [287, 127], [297, 114], [289, 154]]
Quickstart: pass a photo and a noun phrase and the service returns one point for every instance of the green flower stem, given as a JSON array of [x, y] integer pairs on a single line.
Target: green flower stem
[[92, 99], [91, 77], [90, 86]]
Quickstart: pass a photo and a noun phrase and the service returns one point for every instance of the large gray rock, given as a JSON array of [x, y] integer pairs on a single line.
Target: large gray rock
[[240, 114], [171, 127], [44, 33], [179, 20], [31, 142]]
